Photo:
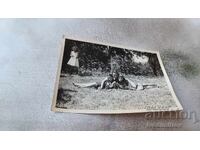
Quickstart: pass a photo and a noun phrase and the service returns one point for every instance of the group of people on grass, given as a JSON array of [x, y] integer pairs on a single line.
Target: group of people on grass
[[115, 81]]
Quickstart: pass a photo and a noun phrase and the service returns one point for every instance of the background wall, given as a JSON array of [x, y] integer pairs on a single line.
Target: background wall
[[29, 51]]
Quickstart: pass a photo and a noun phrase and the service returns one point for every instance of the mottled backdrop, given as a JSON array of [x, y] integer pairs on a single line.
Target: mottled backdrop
[[29, 51]]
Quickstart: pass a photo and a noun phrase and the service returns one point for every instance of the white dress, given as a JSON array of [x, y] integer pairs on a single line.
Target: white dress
[[73, 61]]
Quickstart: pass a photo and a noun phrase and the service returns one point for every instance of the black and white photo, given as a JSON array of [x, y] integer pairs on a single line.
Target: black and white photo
[[108, 79]]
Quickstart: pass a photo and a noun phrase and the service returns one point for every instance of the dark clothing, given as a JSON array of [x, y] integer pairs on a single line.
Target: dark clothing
[[107, 84], [123, 84], [115, 84]]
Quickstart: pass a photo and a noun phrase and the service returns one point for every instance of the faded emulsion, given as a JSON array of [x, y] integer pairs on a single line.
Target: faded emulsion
[[102, 78]]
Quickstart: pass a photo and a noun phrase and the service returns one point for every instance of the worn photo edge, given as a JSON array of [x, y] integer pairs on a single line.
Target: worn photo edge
[[82, 111]]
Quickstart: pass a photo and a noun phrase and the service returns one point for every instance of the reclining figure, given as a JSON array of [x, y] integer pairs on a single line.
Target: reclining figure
[[116, 81]]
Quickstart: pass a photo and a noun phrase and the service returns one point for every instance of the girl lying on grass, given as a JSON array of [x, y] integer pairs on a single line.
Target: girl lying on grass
[[115, 81]]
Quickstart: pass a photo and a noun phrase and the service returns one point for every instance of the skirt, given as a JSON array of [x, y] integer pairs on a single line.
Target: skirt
[[73, 62]]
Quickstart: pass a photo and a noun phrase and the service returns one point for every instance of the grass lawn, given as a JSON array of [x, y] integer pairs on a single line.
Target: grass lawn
[[115, 99]]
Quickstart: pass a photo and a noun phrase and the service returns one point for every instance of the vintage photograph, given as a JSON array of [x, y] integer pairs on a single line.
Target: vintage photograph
[[108, 79]]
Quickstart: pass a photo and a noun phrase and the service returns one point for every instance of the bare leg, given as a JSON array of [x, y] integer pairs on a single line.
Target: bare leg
[[102, 83], [139, 87], [145, 86], [132, 84], [86, 85], [149, 86]]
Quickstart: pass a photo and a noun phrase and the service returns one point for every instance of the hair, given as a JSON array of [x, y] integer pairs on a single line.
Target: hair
[[110, 76], [75, 48], [122, 77], [115, 72]]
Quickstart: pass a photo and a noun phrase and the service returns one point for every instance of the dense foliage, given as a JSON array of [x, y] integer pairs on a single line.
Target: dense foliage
[[104, 59]]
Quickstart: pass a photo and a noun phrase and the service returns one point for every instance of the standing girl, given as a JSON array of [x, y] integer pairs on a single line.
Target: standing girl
[[73, 61]]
